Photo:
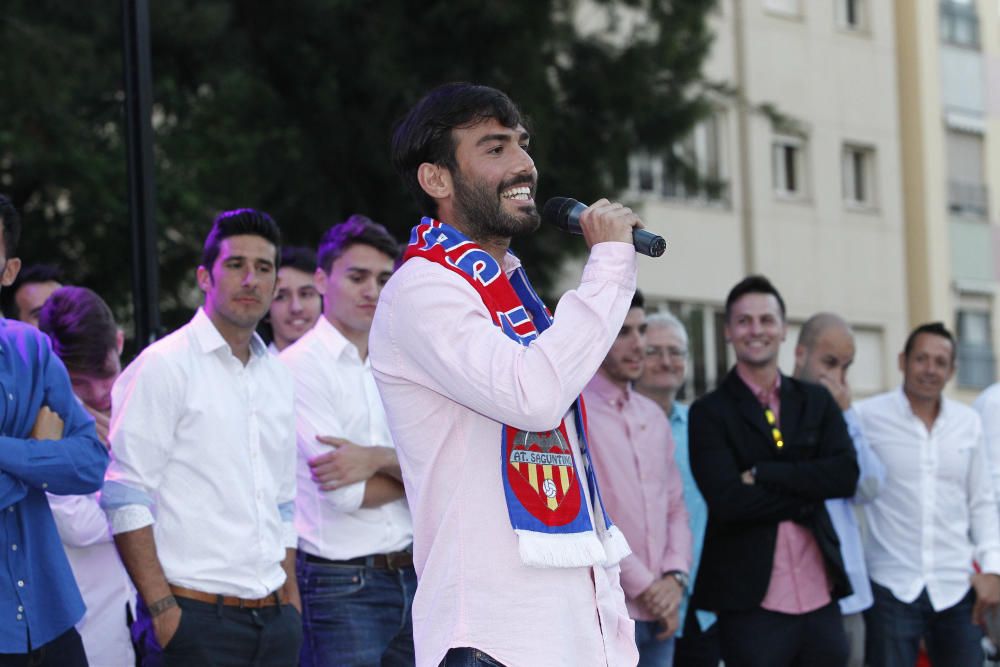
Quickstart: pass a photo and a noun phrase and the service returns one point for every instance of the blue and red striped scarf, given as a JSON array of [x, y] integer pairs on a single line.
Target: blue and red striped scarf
[[545, 500]]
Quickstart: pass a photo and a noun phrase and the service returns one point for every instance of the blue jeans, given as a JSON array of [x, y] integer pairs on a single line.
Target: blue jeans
[[356, 616], [653, 652], [895, 628], [468, 657]]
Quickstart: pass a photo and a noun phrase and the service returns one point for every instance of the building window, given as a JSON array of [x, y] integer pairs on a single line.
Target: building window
[[967, 191], [858, 173], [852, 14], [788, 167], [959, 23], [693, 169], [976, 363], [786, 7]]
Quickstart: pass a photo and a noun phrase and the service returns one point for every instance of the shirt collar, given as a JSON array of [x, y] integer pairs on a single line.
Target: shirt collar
[[608, 391], [210, 340], [765, 397], [903, 403], [333, 341]]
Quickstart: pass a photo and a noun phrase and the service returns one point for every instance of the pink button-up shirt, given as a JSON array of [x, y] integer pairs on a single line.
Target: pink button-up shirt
[[633, 452], [449, 378], [799, 582]]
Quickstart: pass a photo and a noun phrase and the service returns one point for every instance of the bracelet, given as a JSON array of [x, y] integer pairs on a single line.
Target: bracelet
[[161, 605]]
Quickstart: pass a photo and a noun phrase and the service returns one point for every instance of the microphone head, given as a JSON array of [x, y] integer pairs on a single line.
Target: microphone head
[[556, 211]]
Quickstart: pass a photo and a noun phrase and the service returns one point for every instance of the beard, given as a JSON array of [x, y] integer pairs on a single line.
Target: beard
[[481, 209]]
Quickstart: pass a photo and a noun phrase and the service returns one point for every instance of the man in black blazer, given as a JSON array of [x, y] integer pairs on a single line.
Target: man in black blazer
[[766, 451]]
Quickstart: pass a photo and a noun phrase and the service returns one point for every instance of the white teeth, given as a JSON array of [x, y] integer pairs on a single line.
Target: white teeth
[[523, 193]]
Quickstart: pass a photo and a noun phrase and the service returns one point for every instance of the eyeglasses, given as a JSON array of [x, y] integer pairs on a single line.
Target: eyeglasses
[[670, 351], [772, 421]]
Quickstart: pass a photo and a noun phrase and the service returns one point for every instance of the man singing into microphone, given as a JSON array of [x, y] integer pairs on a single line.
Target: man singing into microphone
[[516, 557]]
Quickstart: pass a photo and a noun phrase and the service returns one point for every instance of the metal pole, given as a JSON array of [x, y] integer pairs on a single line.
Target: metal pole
[[141, 188]]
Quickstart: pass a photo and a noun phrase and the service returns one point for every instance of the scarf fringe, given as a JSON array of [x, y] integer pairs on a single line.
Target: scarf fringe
[[615, 546], [553, 550]]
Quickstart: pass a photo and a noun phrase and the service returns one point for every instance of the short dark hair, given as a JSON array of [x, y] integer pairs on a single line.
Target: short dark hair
[[82, 329], [236, 222], [356, 229], [755, 284], [11, 220], [933, 328], [425, 133], [638, 300], [300, 258], [29, 275]]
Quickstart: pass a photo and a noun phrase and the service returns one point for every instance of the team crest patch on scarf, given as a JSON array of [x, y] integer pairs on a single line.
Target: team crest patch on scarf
[[542, 485]]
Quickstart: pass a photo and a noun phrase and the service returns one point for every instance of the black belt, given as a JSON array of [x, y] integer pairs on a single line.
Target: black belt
[[396, 560]]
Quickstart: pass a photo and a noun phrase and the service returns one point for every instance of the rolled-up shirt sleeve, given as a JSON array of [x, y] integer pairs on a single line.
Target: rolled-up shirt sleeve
[[145, 404]]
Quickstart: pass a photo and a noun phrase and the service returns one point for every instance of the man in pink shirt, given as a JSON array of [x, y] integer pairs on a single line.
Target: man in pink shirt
[[633, 453], [766, 451], [516, 558]]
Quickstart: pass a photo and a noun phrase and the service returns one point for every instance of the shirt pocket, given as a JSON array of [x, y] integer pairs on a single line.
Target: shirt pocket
[[955, 460]]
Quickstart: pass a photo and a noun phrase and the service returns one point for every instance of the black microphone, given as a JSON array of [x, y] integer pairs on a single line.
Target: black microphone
[[564, 213]]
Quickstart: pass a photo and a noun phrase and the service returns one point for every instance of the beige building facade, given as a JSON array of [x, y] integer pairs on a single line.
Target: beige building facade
[[812, 199]]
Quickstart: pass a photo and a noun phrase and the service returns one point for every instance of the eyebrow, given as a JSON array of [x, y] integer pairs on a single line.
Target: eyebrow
[[501, 136]]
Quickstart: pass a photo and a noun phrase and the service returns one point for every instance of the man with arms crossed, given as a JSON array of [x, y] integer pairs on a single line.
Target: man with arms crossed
[[633, 452], [663, 375], [934, 515], [201, 490], [516, 557], [824, 352], [767, 450], [47, 443], [355, 562]]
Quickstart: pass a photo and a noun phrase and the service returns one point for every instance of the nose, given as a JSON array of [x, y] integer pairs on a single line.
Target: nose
[[525, 164], [250, 278], [296, 305]]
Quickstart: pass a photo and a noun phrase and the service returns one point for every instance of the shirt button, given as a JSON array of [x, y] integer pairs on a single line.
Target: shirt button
[[20, 583], [19, 617], [10, 397], [10, 509], [20, 608], [13, 547], [45, 485]]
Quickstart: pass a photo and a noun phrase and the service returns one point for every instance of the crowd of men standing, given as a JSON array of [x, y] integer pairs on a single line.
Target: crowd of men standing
[[419, 413]]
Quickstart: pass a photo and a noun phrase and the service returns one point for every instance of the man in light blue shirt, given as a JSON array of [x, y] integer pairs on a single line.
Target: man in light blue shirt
[[663, 376], [824, 352]]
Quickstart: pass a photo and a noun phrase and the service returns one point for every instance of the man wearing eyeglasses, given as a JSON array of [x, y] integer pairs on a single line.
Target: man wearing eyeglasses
[[767, 450], [663, 375], [633, 454]]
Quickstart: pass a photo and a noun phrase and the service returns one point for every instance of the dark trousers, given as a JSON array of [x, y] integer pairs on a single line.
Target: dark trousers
[[468, 657], [214, 635], [356, 616], [66, 650], [697, 648], [895, 629], [762, 638]]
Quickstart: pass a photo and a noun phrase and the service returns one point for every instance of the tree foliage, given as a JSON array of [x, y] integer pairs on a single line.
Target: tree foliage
[[288, 107]]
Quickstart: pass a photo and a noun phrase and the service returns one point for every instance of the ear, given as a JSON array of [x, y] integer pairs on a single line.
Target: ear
[[800, 356], [119, 341], [204, 279], [435, 180], [319, 280], [902, 362], [10, 271]]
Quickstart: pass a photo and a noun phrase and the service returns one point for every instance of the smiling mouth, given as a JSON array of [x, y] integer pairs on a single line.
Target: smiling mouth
[[520, 193]]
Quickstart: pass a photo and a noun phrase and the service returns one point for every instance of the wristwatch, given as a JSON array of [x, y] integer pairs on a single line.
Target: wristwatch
[[681, 577]]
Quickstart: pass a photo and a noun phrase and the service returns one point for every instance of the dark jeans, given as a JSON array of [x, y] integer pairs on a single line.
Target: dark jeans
[[762, 638], [66, 650], [356, 616], [895, 629], [653, 652], [213, 635], [468, 657], [697, 648]]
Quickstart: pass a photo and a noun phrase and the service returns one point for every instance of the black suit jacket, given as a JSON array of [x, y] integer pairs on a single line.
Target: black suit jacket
[[728, 434]]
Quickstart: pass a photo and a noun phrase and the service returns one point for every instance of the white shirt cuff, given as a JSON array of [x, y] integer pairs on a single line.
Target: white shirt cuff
[[130, 517]]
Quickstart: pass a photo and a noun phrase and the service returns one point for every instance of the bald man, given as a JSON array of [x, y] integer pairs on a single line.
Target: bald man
[[824, 352]]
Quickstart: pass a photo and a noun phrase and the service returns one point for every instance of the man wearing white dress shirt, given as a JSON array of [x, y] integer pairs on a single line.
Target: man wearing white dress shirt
[[932, 518], [201, 490], [355, 563], [86, 338]]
